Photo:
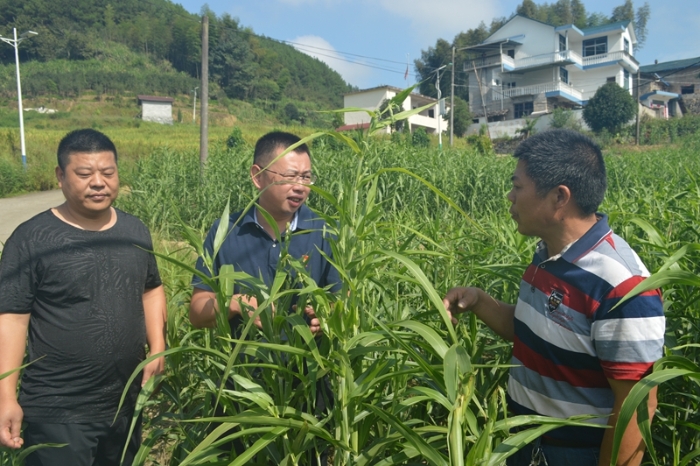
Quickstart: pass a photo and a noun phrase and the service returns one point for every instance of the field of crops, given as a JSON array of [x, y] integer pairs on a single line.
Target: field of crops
[[408, 387]]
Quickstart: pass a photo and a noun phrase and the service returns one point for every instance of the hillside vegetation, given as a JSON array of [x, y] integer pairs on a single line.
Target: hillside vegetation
[[155, 47]]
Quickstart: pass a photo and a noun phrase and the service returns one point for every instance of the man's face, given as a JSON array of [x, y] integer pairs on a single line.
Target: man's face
[[90, 182], [280, 197], [530, 211]]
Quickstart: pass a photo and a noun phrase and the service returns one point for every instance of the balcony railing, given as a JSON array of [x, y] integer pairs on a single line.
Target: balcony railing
[[611, 57], [499, 94], [565, 56]]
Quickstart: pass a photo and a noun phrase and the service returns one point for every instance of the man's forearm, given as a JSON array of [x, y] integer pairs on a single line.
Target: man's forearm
[[631, 449], [13, 335], [497, 315], [155, 314]]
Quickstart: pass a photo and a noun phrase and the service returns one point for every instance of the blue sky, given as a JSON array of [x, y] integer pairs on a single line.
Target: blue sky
[[369, 41]]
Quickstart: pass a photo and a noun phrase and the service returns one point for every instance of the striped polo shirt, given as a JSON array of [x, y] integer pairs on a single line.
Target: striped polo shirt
[[569, 340]]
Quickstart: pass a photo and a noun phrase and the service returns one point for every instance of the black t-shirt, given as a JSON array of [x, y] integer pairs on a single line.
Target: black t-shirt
[[84, 290]]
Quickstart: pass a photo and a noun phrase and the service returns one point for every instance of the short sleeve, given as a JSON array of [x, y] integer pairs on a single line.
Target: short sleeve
[[152, 275], [629, 338], [17, 283]]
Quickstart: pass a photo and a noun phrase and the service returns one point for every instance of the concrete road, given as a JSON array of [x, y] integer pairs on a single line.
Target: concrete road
[[16, 210]]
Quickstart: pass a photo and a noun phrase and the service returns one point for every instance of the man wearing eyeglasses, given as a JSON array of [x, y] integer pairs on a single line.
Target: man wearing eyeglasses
[[253, 244]]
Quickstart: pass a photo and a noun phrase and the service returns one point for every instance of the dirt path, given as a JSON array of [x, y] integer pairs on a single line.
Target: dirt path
[[15, 210]]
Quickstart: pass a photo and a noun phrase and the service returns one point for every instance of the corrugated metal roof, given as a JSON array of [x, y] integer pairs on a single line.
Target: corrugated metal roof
[[153, 98], [670, 65], [605, 27]]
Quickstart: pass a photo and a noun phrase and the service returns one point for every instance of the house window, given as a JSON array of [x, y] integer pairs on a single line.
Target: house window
[[431, 113], [562, 43], [690, 89], [511, 53], [627, 46], [523, 109], [596, 46], [611, 79], [509, 85], [563, 75], [627, 80]]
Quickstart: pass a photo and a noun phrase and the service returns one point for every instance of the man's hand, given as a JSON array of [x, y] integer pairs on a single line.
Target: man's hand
[[459, 300], [499, 316], [11, 416], [238, 302], [314, 323], [155, 367]]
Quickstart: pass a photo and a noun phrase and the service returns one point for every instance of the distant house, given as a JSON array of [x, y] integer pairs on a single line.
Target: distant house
[[671, 88], [530, 68], [372, 99], [157, 109]]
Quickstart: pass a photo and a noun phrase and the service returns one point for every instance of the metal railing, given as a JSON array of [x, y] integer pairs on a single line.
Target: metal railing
[[500, 94]]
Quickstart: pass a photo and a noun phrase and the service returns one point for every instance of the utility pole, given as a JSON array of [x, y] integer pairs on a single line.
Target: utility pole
[[452, 99], [194, 104], [439, 114], [204, 120], [15, 43]]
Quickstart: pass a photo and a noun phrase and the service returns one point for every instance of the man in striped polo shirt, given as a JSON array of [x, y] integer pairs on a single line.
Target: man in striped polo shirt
[[573, 353]]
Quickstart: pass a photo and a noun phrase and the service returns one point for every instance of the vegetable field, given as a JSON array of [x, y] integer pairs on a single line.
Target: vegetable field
[[391, 381]]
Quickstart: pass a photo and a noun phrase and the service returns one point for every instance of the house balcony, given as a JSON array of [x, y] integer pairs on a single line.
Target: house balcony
[[563, 58], [551, 89], [621, 57]]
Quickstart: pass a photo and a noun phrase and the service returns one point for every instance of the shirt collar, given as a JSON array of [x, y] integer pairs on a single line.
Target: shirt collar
[[252, 217], [579, 248]]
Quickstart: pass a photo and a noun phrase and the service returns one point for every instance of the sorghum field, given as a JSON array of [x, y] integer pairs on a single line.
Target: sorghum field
[[407, 386]]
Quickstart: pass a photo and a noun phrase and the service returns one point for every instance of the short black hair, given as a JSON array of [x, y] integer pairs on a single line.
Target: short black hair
[[83, 140], [268, 144], [566, 157]]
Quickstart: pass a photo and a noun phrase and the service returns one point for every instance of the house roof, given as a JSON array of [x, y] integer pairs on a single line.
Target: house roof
[[390, 88], [355, 126], [153, 98], [661, 94], [494, 44], [670, 65]]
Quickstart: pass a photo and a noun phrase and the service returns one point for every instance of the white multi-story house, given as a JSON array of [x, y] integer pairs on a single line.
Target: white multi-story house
[[372, 99], [528, 67]]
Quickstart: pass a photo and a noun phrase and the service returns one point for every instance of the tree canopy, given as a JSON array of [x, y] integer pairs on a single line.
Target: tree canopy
[[244, 65]]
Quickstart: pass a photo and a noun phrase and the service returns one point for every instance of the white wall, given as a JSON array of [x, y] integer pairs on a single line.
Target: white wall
[[159, 112], [371, 100], [538, 37]]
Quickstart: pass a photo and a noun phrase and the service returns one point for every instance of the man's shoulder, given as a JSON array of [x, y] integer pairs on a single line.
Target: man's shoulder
[[129, 220], [38, 224]]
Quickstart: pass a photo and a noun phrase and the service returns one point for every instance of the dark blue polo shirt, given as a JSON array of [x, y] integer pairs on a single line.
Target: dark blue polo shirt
[[250, 249]]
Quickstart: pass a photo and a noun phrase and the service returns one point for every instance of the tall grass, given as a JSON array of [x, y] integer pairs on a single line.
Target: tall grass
[[407, 387]]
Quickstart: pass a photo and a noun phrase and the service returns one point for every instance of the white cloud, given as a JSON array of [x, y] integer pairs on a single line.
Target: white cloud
[[320, 48], [430, 20]]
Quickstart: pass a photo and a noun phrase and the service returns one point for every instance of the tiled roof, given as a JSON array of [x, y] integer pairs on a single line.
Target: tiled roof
[[670, 65]]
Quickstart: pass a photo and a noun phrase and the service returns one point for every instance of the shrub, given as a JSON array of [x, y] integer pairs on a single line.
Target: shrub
[[420, 138], [235, 139], [610, 108]]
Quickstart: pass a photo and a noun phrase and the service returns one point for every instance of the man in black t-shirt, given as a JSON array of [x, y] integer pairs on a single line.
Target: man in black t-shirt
[[79, 278]]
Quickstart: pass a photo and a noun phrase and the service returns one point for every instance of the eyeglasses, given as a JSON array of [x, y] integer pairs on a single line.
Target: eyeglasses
[[304, 178]]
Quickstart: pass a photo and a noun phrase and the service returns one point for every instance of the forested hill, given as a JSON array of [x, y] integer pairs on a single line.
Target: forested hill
[[242, 65]]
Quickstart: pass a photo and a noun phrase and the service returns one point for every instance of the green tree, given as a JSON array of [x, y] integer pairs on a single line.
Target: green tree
[[625, 12], [462, 117], [578, 12], [610, 108], [528, 9]]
